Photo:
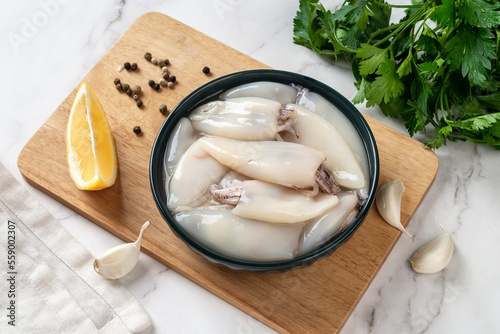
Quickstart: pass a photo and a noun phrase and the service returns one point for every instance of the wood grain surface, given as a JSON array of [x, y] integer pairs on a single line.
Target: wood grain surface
[[315, 299]]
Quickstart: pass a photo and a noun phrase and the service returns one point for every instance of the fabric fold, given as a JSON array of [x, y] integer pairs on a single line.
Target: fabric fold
[[55, 287]]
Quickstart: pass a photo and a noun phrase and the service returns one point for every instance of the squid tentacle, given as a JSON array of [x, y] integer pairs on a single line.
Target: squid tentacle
[[230, 195], [326, 182]]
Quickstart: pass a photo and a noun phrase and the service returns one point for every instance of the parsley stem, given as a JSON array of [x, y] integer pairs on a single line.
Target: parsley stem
[[442, 97], [409, 22], [321, 52], [420, 28], [380, 31], [412, 35]]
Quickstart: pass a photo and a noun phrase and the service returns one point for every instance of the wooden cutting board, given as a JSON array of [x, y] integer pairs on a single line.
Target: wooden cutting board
[[314, 299]]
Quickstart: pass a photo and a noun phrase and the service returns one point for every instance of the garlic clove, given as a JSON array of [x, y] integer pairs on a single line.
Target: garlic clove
[[434, 256], [120, 260], [389, 204]]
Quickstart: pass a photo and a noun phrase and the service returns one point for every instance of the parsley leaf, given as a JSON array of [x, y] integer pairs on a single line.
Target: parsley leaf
[[363, 88], [352, 37], [491, 100], [492, 83], [397, 107], [305, 26], [356, 13], [372, 57], [444, 13], [472, 48], [405, 67], [385, 86], [414, 121], [420, 90], [480, 13], [330, 31], [438, 66], [475, 129]]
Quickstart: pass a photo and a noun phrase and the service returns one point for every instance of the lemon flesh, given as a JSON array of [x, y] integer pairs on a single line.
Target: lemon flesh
[[90, 145]]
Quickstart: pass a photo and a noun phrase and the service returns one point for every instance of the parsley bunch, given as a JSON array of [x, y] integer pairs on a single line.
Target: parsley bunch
[[438, 66]]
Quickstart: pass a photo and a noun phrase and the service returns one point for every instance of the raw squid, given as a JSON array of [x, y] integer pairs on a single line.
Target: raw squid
[[271, 202], [229, 178], [245, 172], [315, 131], [242, 118], [324, 108], [239, 238], [194, 173], [317, 232], [269, 90], [182, 137], [289, 164]]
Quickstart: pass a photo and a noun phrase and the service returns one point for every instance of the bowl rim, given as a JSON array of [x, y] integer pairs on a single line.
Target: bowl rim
[[214, 88]]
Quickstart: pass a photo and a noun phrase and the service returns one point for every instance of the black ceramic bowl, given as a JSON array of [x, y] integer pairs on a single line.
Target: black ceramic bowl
[[212, 90]]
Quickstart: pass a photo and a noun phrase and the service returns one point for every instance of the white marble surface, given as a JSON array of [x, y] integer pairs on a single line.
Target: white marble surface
[[47, 46]]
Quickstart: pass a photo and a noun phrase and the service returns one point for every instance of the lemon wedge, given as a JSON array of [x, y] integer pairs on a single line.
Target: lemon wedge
[[89, 142]]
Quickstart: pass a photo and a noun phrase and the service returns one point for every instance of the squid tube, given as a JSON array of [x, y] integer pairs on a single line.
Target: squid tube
[[245, 239], [194, 173], [242, 118], [271, 202], [318, 232], [182, 137], [288, 164], [270, 90], [324, 108], [315, 131]]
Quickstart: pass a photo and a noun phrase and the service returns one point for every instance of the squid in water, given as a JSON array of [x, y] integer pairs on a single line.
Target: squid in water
[[265, 89], [187, 187], [314, 131], [267, 173], [240, 238], [288, 164], [272, 202], [243, 118], [181, 138], [318, 231]]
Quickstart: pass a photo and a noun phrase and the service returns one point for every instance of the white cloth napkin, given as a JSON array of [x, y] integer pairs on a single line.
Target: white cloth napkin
[[47, 282]]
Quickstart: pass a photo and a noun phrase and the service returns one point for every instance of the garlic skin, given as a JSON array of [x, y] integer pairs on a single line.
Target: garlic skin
[[389, 204], [118, 261], [434, 256]]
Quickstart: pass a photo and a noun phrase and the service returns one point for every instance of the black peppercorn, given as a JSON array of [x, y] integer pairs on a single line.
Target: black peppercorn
[[139, 104], [137, 129], [156, 87], [119, 87], [135, 97], [133, 67], [116, 81], [125, 87], [167, 62], [129, 92], [161, 63], [136, 89], [165, 75], [151, 83], [206, 70], [163, 108], [148, 56], [172, 79], [127, 66]]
